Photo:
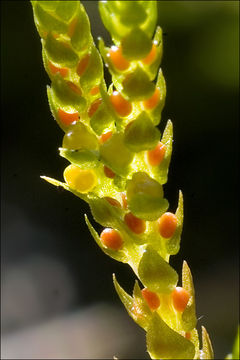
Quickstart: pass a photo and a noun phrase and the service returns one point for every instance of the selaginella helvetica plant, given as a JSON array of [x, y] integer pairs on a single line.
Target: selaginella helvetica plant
[[119, 160]]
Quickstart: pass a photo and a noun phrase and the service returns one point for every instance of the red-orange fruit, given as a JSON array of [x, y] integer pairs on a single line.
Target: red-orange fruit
[[136, 225], [152, 102], [151, 298], [82, 65], [94, 106], [167, 224], [94, 90], [74, 87], [180, 298], [156, 155], [112, 201], [72, 27], [55, 69], [111, 239], [108, 172], [66, 117], [121, 105], [188, 335], [104, 137], [116, 56], [151, 56]]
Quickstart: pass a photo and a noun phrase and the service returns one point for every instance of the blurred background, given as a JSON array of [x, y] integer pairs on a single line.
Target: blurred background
[[57, 296]]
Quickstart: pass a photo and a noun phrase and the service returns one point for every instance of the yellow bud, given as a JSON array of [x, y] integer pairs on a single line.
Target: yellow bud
[[79, 179]]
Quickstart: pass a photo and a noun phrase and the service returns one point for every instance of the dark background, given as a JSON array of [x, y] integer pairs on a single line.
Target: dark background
[[44, 237]]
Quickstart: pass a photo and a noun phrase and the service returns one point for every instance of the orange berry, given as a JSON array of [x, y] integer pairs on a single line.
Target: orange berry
[[156, 155], [111, 239], [66, 117], [151, 298], [94, 106], [104, 137], [121, 105], [116, 56], [82, 65], [135, 224], [151, 56], [180, 298], [74, 87], [124, 200], [72, 27], [152, 102], [108, 172], [94, 90], [55, 69], [112, 201], [188, 335], [167, 224]]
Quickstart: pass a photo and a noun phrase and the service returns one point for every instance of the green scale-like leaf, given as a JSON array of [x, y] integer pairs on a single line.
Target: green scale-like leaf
[[173, 244], [145, 197], [189, 319], [165, 343], [156, 273], [141, 134], [116, 155]]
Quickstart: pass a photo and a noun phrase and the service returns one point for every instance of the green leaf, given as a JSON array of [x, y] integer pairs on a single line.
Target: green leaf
[[101, 119], [173, 244], [137, 85], [207, 350], [152, 12], [81, 34], [118, 255], [83, 158], [48, 22], [65, 186], [66, 95], [156, 112], [116, 155], [47, 5], [165, 343], [189, 319], [145, 197], [78, 137], [126, 299], [60, 52], [104, 213], [132, 13], [141, 308], [155, 273], [66, 9], [94, 71], [160, 172], [53, 107], [141, 134], [136, 45]]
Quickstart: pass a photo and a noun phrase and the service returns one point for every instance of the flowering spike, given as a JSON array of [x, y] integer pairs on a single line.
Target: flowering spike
[[118, 158]]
